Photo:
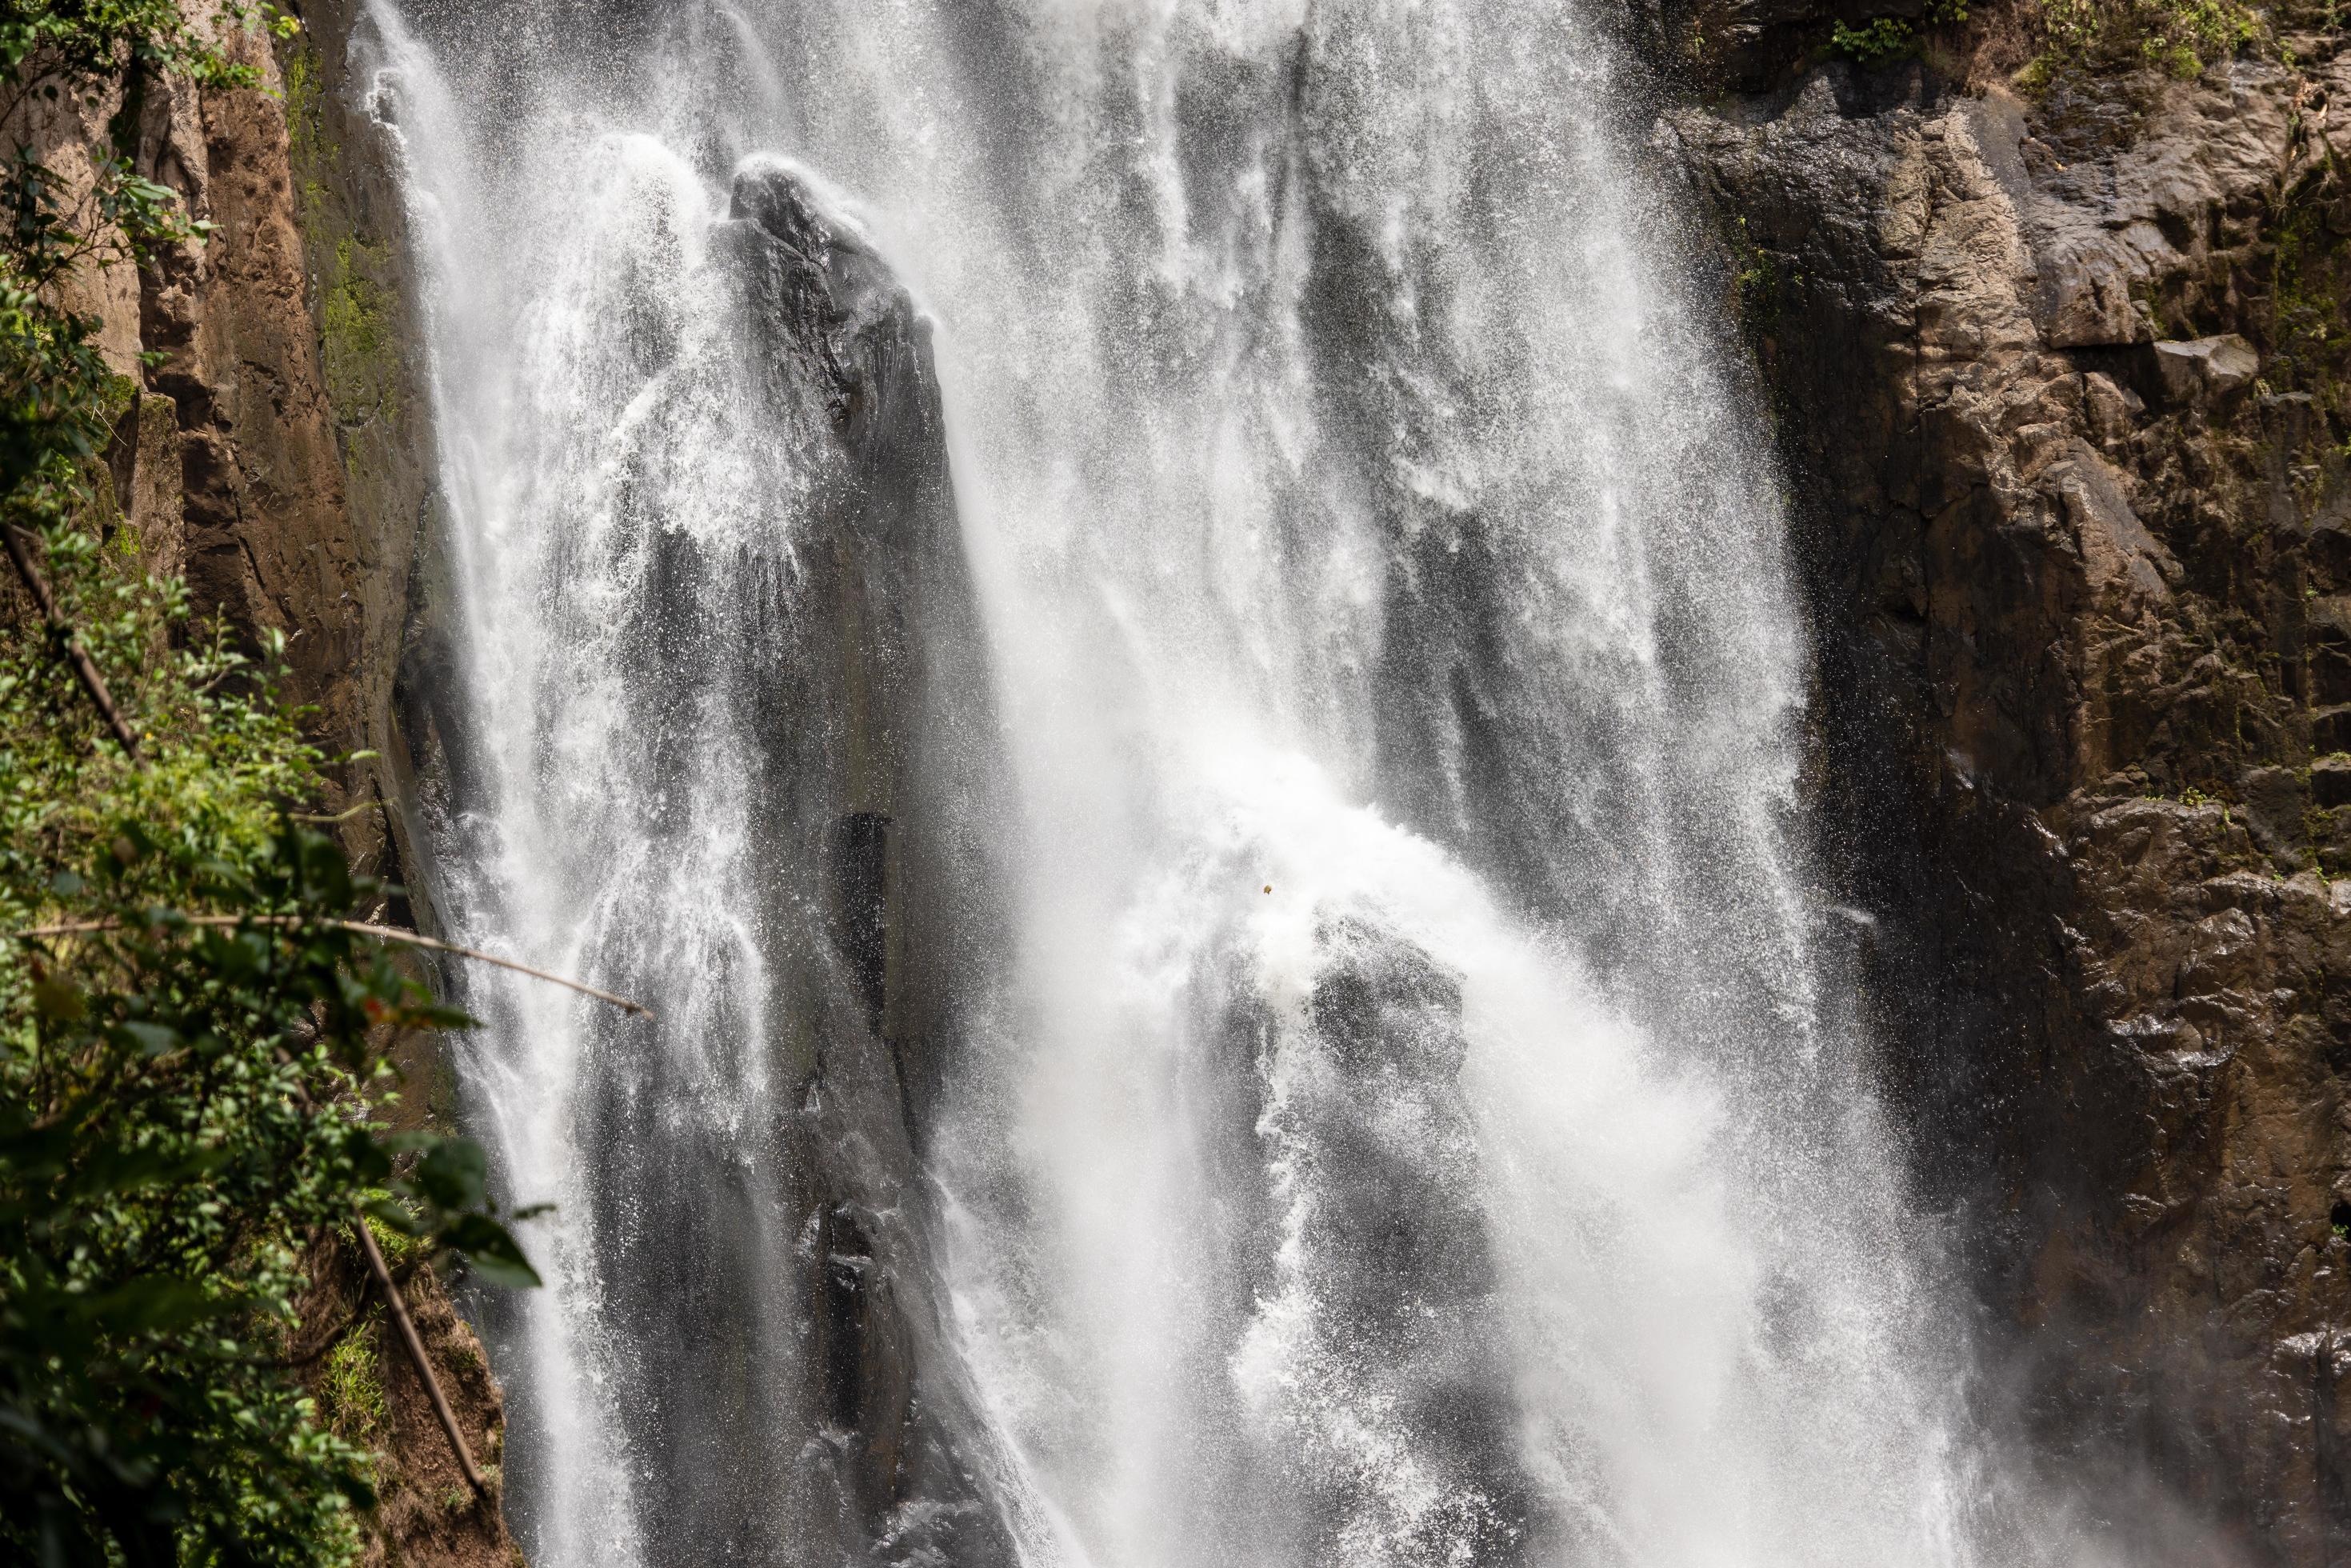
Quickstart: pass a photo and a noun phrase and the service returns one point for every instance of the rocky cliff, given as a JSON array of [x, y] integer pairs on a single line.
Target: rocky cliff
[[2057, 369], [265, 456]]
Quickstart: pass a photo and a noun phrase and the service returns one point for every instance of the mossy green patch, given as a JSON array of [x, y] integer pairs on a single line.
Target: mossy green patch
[[298, 66], [357, 340], [2306, 327], [350, 1388], [397, 1246]]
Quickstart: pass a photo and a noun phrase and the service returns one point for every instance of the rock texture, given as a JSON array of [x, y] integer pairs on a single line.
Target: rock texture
[[2059, 385], [264, 540], [341, 162], [783, 1382]]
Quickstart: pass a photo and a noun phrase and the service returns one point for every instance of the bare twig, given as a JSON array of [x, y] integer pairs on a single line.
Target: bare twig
[[424, 1365], [380, 933], [339, 816], [68, 639]]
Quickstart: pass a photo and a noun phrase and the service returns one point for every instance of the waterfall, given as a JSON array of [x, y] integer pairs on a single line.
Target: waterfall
[[1159, 632]]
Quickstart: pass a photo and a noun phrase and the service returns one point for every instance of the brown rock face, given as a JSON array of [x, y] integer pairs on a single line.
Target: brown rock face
[[2057, 383], [271, 457], [265, 543]]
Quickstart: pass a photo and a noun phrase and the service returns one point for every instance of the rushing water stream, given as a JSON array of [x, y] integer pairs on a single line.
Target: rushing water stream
[[1393, 1102]]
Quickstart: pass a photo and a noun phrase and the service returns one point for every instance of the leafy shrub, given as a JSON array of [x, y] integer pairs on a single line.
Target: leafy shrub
[[184, 1077], [1883, 40], [2180, 36], [189, 1037], [1875, 43]]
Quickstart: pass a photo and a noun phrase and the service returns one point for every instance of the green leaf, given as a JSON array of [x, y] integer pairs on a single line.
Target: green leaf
[[395, 1216], [148, 1039], [453, 1175], [492, 1251], [59, 999]]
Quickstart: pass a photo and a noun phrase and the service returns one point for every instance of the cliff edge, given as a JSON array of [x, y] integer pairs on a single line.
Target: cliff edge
[[2056, 360]]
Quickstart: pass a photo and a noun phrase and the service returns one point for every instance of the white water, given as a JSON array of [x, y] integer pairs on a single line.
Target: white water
[[1383, 575]]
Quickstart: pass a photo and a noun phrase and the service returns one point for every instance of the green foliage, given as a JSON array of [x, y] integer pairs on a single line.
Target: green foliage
[[1875, 43], [191, 1044], [2183, 37], [1883, 40], [55, 48], [56, 394], [2180, 37], [351, 1388], [183, 1106]]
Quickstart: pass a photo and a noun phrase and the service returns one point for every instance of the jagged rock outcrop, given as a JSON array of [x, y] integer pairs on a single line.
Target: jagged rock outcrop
[[883, 722], [1382, 1286], [883, 712], [865, 689], [2057, 381]]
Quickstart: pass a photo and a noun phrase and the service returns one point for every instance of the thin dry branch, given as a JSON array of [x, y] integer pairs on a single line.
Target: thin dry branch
[[364, 806], [360, 927], [68, 639]]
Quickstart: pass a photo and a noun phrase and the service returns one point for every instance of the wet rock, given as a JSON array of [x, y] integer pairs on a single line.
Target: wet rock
[[2275, 800], [2205, 368], [1385, 1291], [866, 696], [2078, 599]]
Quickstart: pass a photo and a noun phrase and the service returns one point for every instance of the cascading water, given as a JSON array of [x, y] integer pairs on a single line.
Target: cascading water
[[1385, 1097]]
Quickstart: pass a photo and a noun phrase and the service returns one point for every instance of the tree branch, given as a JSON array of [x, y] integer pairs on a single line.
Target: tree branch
[[68, 639], [380, 933]]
